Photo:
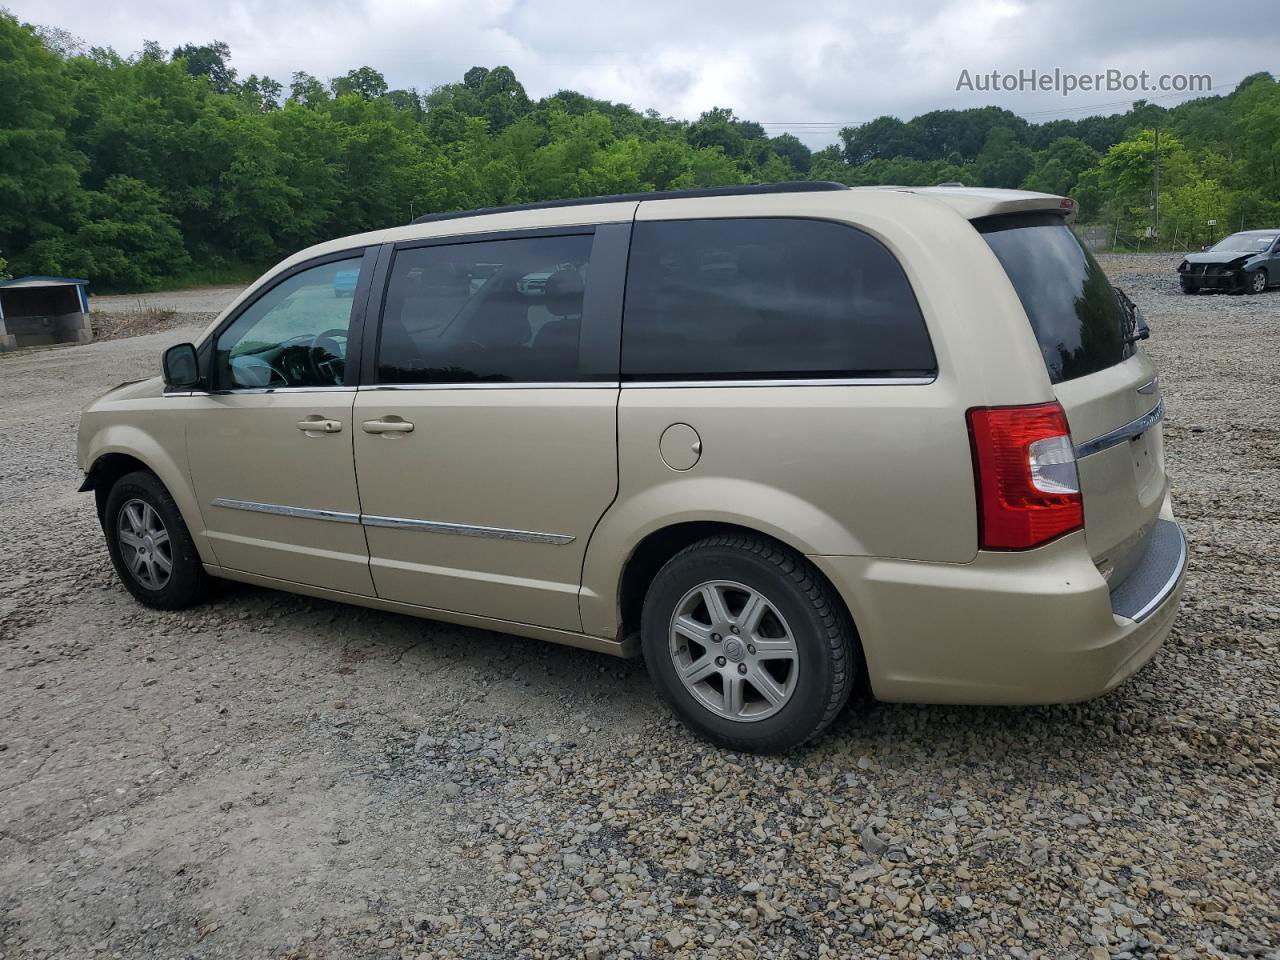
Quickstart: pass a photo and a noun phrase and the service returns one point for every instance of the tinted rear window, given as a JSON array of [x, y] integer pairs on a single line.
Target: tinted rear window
[[767, 299], [1073, 309], [486, 311]]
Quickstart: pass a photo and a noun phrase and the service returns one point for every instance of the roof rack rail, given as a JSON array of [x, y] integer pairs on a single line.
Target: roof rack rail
[[786, 186]]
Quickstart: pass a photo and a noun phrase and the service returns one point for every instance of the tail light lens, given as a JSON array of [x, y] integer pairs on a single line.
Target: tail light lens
[[1025, 467]]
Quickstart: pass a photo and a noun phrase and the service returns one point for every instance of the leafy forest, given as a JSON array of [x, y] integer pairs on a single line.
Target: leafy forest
[[167, 166]]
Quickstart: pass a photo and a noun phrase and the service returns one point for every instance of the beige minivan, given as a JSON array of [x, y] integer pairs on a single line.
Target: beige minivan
[[777, 439]]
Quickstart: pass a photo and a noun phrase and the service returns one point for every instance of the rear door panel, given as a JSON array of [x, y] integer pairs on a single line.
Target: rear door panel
[[539, 462]]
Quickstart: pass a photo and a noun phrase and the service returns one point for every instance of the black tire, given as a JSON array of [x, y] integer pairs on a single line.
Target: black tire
[[186, 582], [825, 640], [1188, 286], [1256, 281]]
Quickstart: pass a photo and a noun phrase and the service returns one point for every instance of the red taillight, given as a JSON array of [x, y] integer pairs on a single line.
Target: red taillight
[[1024, 465]]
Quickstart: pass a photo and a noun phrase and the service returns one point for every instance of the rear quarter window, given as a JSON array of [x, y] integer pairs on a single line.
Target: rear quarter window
[[1072, 307], [767, 299]]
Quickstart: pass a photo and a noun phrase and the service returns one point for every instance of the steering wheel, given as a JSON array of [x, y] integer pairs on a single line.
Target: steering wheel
[[327, 356]]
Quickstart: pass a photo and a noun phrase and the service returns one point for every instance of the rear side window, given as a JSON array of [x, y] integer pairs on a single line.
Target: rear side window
[[1077, 318], [767, 299], [491, 311]]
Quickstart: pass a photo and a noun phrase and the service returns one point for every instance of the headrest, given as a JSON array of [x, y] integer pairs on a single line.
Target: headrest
[[564, 293]]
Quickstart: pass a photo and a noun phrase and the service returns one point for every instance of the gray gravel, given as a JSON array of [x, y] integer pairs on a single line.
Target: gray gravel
[[195, 300], [273, 776]]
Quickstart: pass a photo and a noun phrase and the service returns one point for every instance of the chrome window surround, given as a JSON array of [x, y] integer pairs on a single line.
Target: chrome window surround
[[661, 384], [1132, 429], [577, 385], [256, 391], [402, 523], [783, 382], [495, 385]]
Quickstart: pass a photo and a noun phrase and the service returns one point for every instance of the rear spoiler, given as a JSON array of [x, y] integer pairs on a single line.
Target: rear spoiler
[[975, 202]]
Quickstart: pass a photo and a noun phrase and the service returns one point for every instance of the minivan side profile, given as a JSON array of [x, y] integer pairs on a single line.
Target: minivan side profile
[[777, 439]]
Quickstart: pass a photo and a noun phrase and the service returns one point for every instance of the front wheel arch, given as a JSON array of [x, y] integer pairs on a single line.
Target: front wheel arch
[[105, 472]]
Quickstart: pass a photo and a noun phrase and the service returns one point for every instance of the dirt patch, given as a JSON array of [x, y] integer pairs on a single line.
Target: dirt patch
[[115, 326]]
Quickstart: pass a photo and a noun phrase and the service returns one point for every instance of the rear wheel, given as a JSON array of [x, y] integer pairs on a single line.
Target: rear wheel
[[747, 643], [1256, 282], [150, 546]]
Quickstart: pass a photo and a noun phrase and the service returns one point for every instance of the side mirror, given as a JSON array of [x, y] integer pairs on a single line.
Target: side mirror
[[1204, 247], [181, 368]]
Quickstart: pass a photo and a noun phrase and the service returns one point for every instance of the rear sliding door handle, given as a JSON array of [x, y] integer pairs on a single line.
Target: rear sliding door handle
[[319, 425], [387, 426]]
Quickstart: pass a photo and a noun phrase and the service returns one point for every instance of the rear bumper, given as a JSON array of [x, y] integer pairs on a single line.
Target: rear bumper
[[1010, 628]]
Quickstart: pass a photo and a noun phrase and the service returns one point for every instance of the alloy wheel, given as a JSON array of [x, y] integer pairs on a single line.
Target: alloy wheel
[[145, 546], [733, 650]]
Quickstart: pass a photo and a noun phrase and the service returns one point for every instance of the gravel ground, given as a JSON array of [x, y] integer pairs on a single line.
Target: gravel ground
[[273, 776], [210, 300]]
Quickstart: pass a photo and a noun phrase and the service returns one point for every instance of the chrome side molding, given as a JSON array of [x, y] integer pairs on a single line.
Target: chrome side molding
[[304, 513], [401, 523], [1133, 428], [465, 530]]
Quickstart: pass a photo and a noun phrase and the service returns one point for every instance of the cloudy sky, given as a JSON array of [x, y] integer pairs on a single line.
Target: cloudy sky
[[807, 67]]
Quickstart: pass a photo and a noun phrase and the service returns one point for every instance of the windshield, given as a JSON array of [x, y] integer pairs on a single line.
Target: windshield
[[1079, 322], [1244, 243]]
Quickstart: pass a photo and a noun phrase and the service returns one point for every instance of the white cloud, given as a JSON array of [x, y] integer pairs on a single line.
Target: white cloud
[[836, 62]]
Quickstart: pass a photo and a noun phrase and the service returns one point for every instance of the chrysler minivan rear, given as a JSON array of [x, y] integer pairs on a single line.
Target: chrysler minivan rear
[[1080, 561]]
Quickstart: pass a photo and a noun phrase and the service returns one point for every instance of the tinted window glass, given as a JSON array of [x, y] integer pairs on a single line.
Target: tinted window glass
[[1073, 308], [726, 299], [294, 335], [501, 310]]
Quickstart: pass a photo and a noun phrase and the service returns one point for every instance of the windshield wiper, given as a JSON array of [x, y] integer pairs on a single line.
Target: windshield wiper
[[1135, 323]]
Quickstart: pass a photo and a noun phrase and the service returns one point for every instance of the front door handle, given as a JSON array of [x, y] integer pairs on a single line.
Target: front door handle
[[319, 425], [387, 426]]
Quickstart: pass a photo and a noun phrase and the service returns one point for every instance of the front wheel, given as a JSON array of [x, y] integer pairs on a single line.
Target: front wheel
[[748, 644], [1188, 286], [149, 543], [1256, 282]]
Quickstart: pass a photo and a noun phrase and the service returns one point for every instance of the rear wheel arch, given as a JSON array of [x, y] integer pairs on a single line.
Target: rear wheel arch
[[659, 546]]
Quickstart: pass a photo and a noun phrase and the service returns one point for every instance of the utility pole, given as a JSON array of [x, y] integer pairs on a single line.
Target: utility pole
[[1157, 174]]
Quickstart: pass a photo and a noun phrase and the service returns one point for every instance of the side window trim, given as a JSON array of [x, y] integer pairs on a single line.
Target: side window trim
[[359, 319], [600, 347]]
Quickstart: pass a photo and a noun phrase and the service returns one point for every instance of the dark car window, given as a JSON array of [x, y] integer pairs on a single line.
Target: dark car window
[[1077, 318], [767, 299], [499, 310]]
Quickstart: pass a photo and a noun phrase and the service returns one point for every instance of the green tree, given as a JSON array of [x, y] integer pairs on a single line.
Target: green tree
[[40, 195], [208, 60], [128, 240], [1058, 167], [1003, 160], [364, 82]]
